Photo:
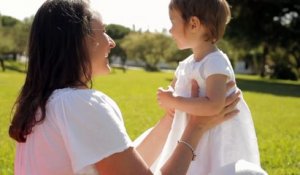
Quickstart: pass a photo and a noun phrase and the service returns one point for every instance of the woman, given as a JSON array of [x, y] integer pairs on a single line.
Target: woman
[[62, 126]]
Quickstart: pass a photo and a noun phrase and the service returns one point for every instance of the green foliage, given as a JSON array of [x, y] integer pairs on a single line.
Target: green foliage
[[267, 24], [274, 105], [21, 34], [173, 54], [284, 71], [117, 33], [8, 21], [6, 44], [254, 22], [284, 66], [148, 47], [233, 53], [14, 35]]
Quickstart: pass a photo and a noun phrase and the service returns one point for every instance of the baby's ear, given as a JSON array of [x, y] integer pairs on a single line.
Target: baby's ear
[[194, 22]]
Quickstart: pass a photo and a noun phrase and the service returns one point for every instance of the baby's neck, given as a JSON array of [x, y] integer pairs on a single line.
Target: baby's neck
[[202, 50]]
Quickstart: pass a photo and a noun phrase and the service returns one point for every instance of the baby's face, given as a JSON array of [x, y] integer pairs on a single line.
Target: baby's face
[[187, 34], [178, 29]]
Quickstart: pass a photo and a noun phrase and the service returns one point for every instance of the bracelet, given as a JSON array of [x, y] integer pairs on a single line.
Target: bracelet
[[189, 146]]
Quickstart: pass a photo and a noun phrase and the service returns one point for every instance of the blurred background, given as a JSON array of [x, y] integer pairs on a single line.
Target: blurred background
[[262, 37], [261, 40]]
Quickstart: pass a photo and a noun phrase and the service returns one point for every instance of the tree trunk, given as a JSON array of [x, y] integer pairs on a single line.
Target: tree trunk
[[15, 56], [263, 60], [2, 65]]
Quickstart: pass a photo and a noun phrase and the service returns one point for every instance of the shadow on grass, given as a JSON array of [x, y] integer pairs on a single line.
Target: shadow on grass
[[275, 88], [262, 86], [15, 68]]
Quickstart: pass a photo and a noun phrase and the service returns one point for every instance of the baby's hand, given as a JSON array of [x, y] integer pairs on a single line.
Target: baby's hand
[[164, 97]]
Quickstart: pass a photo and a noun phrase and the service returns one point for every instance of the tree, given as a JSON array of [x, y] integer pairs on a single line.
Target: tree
[[148, 47], [7, 43], [265, 25], [8, 21], [21, 35], [117, 32], [14, 35], [173, 54]]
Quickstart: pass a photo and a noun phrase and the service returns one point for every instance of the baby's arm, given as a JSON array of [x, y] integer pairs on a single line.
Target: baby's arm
[[212, 104]]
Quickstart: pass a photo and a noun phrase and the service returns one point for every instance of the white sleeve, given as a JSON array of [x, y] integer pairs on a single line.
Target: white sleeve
[[176, 73], [91, 130], [181, 66], [216, 65]]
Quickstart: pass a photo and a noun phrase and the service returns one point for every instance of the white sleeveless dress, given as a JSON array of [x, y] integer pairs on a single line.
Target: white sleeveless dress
[[225, 144]]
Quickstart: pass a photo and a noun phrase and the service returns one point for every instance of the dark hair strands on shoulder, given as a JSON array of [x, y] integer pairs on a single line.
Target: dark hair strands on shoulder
[[58, 58], [214, 14]]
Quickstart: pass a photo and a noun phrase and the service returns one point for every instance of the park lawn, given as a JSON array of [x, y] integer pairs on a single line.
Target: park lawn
[[275, 106]]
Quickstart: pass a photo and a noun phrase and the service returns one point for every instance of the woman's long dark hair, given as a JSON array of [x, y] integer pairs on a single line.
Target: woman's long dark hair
[[58, 58]]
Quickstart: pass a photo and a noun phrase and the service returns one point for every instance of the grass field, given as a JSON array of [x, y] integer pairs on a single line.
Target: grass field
[[275, 106]]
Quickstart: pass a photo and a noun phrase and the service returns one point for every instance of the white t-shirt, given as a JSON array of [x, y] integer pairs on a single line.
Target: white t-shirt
[[82, 127]]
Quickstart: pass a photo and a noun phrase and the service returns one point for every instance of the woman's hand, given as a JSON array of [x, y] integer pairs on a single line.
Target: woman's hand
[[227, 113]]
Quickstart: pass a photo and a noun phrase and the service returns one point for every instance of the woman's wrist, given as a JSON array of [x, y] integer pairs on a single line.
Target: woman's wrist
[[195, 124], [190, 147], [193, 134]]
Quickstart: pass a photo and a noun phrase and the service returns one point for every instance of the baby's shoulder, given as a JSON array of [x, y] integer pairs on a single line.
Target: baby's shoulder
[[217, 57]]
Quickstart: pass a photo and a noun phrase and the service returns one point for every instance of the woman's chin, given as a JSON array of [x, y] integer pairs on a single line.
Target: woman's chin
[[108, 68], [104, 71]]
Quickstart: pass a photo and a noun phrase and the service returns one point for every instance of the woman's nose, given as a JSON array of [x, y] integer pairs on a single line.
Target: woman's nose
[[112, 43]]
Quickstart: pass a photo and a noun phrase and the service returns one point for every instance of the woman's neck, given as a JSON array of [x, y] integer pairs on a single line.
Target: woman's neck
[[203, 49]]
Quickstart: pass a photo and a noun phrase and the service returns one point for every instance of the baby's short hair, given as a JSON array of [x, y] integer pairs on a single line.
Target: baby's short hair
[[214, 14]]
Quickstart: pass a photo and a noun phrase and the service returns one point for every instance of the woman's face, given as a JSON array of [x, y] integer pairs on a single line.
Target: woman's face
[[99, 45]]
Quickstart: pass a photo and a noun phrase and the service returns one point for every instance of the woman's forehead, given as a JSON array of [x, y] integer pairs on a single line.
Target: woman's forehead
[[97, 24], [97, 20]]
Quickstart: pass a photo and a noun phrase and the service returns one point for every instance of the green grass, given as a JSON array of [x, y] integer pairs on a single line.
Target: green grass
[[275, 106]]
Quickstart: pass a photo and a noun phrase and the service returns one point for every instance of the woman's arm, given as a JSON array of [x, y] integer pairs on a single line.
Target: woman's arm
[[130, 162], [182, 156], [152, 145], [211, 104]]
